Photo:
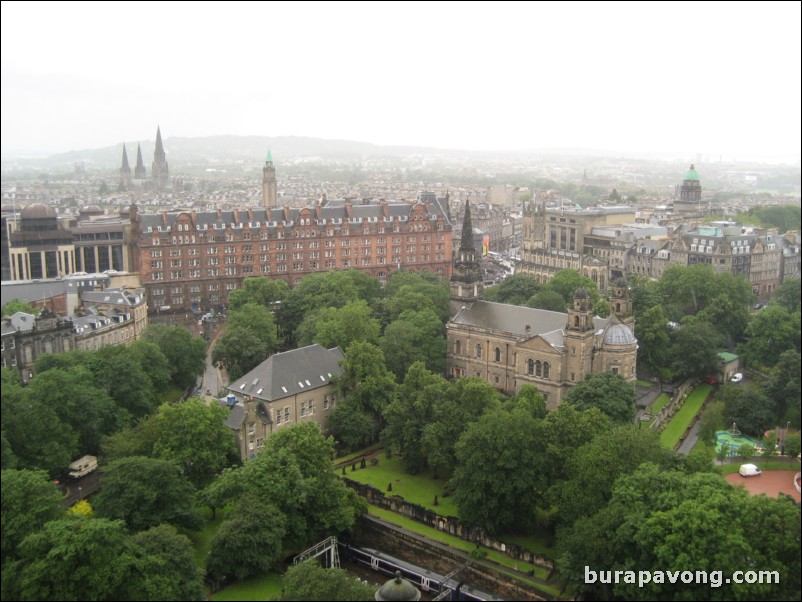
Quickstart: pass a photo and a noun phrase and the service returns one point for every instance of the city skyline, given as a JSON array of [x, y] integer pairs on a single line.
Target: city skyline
[[685, 78]]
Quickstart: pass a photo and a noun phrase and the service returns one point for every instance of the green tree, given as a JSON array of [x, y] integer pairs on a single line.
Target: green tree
[[693, 350], [17, 305], [792, 445], [193, 436], [29, 500], [250, 337], [169, 566], [666, 520], [365, 378], [248, 543], [413, 337], [352, 425], [546, 299], [138, 440], [651, 330], [340, 327], [408, 415], [713, 420], [76, 559], [36, 436], [88, 410], [750, 409], [498, 470], [310, 581], [145, 492], [258, 290], [784, 387], [464, 401], [592, 470], [564, 431], [418, 295], [771, 332], [515, 290], [788, 295], [186, 355], [608, 392]]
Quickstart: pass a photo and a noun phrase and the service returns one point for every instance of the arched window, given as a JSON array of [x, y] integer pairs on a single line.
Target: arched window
[[546, 369], [457, 347], [530, 367], [538, 368], [478, 350], [498, 354], [576, 321], [618, 308]]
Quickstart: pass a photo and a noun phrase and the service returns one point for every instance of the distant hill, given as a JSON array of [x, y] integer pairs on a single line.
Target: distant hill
[[215, 150]]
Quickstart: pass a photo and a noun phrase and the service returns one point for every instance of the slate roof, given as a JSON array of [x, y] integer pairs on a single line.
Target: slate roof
[[116, 296], [513, 319], [289, 373]]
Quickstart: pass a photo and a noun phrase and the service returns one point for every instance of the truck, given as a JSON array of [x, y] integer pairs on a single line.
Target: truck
[[83, 466]]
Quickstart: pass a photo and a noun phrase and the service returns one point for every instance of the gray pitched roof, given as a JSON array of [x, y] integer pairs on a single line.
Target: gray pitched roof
[[514, 319], [116, 296], [286, 374], [235, 417]]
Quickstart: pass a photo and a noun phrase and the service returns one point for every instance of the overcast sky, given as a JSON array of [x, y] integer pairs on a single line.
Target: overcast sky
[[717, 79]]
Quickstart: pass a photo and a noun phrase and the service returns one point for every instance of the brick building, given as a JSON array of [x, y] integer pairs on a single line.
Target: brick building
[[193, 260]]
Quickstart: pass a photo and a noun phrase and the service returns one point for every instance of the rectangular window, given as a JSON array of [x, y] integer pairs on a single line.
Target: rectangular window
[[287, 414], [311, 406], [325, 402], [278, 416], [303, 409]]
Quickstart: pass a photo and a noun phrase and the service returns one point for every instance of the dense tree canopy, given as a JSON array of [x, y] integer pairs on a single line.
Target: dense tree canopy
[[249, 339], [29, 500], [146, 492], [310, 581], [660, 520], [186, 355], [258, 290], [606, 391], [416, 336], [169, 569]]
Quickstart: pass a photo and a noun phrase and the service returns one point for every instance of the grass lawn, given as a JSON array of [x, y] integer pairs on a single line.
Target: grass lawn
[[202, 540], [358, 454], [682, 419], [466, 546], [644, 383], [263, 587], [419, 489], [659, 403]]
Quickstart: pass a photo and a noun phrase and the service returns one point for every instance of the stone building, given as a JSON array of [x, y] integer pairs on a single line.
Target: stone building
[[193, 260], [287, 388], [510, 346]]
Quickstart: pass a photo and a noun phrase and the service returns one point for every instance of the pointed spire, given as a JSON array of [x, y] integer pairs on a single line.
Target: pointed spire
[[139, 170], [466, 242], [269, 158], [159, 145], [125, 165]]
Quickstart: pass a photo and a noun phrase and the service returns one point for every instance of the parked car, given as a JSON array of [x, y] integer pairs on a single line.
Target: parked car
[[710, 380], [737, 377], [749, 470]]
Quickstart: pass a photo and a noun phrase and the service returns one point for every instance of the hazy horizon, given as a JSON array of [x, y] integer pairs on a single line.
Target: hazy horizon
[[678, 79]]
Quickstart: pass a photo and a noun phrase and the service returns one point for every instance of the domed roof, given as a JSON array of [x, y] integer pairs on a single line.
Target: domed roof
[[622, 282], [691, 174], [398, 588], [581, 293], [618, 334], [38, 211], [91, 209]]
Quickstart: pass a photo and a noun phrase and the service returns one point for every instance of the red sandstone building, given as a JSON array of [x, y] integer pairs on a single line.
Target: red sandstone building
[[193, 260]]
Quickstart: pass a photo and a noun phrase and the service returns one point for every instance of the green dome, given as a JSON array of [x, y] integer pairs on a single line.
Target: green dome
[[691, 174]]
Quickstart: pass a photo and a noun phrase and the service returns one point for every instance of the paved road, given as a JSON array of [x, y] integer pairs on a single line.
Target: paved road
[[214, 379]]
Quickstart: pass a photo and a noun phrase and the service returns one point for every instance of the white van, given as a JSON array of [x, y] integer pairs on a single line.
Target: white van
[[83, 466], [749, 470]]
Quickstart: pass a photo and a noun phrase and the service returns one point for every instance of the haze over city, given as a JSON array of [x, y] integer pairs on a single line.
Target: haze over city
[[681, 79]]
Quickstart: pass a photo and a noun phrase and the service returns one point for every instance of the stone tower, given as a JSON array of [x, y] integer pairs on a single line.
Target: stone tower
[[691, 189], [466, 281], [125, 171], [139, 170], [269, 194], [579, 337], [160, 171], [620, 302]]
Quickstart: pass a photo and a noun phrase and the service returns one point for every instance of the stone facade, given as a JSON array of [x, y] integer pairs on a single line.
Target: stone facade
[[287, 388]]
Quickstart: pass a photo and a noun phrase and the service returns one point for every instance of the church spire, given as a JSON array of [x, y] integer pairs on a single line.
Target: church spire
[[466, 242], [160, 171], [139, 170], [125, 170]]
